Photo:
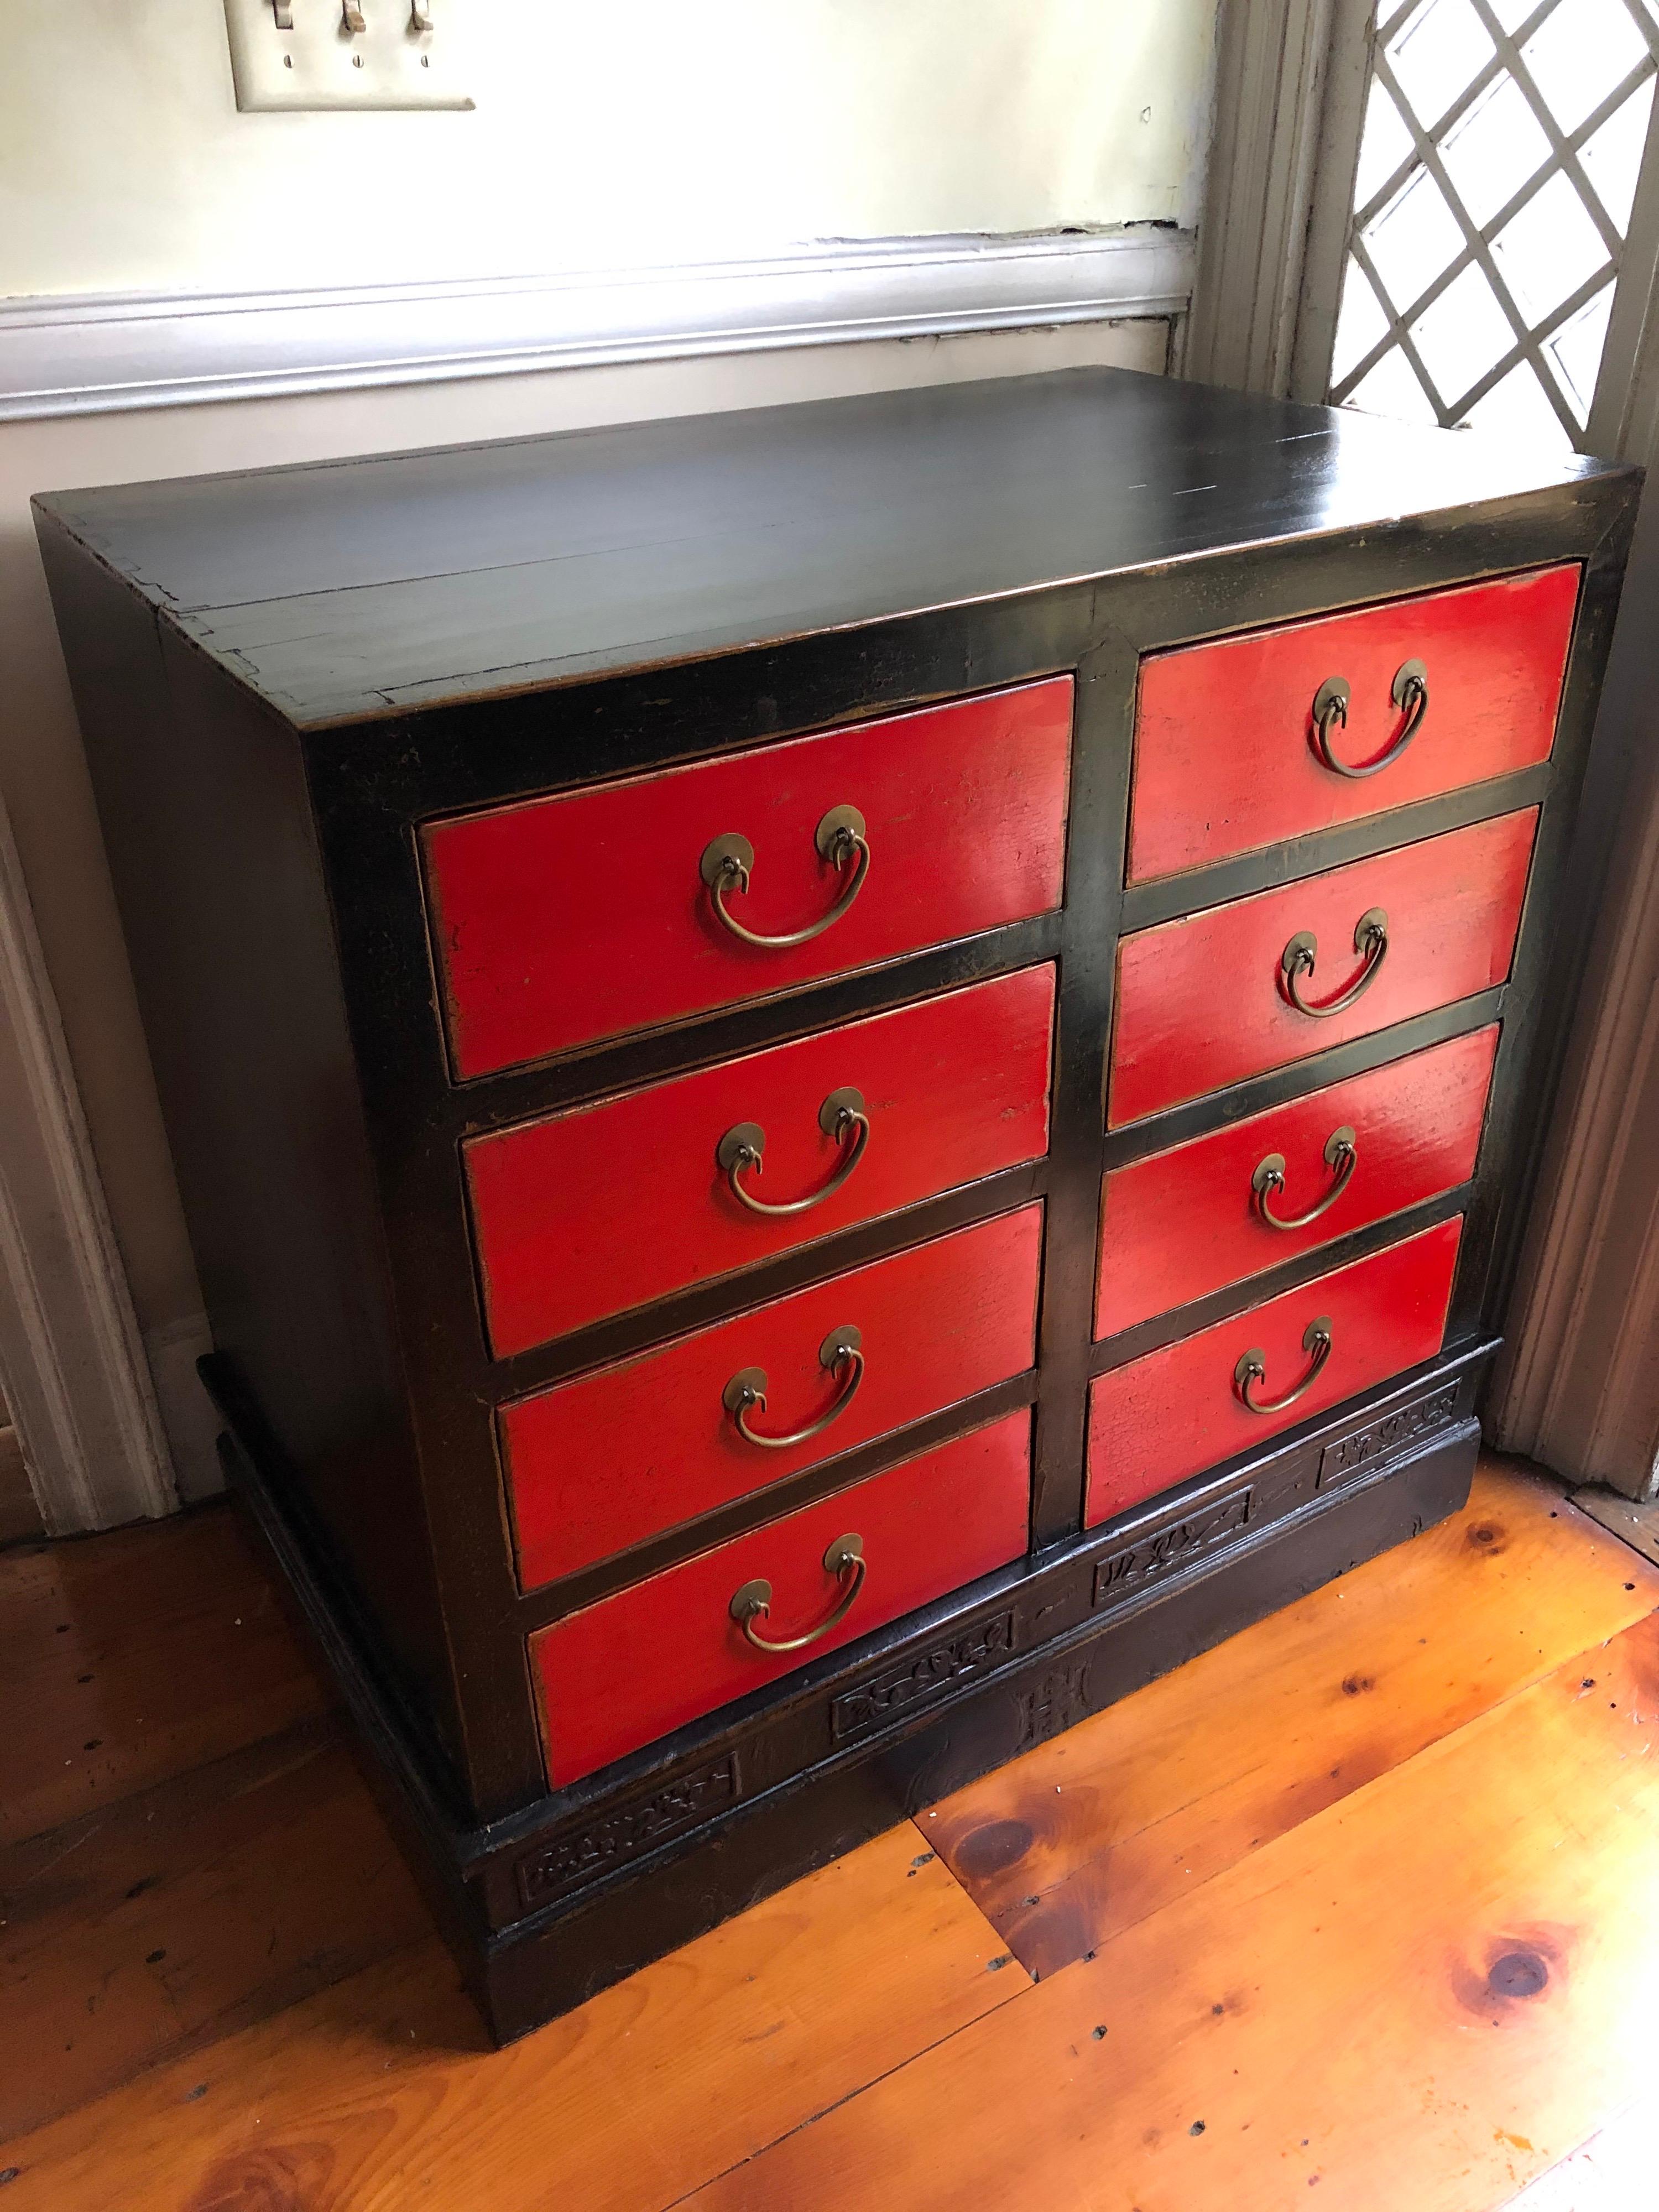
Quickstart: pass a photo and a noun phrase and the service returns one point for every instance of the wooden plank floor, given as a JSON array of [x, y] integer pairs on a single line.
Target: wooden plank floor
[[1364, 1904]]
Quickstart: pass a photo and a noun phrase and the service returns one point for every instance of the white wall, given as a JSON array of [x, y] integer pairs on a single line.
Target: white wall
[[608, 134], [602, 136]]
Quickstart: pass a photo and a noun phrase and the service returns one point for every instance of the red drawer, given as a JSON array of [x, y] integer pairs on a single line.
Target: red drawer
[[559, 920], [589, 1212], [629, 1670], [596, 1465], [1157, 1421], [1227, 742], [1189, 1220], [1206, 1001]]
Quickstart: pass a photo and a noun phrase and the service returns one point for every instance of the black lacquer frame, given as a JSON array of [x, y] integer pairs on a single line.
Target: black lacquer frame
[[548, 1896]]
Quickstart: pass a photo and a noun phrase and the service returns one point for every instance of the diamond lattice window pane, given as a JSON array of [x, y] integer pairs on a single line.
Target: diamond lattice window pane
[[1391, 388], [1362, 324], [1498, 173], [1435, 53], [1548, 249], [1517, 409], [1494, 150], [1575, 351], [1612, 155], [1415, 238], [1384, 145], [1463, 334], [1577, 58]]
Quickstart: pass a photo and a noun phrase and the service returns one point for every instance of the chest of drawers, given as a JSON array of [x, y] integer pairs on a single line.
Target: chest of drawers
[[844, 1078]]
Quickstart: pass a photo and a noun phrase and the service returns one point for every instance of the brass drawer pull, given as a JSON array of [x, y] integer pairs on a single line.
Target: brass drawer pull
[[1253, 1368], [844, 1560], [728, 860], [841, 1352], [1342, 1153], [841, 1116], [1410, 693], [1371, 941]]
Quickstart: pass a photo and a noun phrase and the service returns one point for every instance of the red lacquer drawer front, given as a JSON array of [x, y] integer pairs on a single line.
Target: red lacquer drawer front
[[1207, 1000], [601, 1463], [1230, 756], [590, 1212], [562, 919], [1160, 1419], [629, 1670], [1190, 1220]]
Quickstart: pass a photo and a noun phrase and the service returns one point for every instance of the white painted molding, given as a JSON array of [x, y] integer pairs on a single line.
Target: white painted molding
[[75, 1377], [1270, 71], [1577, 1383], [1577, 1386], [93, 354]]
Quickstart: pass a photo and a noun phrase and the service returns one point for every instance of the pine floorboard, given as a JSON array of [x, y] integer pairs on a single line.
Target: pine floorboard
[[1361, 1908], [129, 1658]]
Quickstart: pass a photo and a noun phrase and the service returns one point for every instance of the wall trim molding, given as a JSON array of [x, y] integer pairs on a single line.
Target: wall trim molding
[[1290, 95], [1577, 1383], [98, 352], [1270, 68], [77, 1379]]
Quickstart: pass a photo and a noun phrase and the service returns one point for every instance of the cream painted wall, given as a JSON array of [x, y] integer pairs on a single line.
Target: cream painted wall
[[43, 771], [604, 135]]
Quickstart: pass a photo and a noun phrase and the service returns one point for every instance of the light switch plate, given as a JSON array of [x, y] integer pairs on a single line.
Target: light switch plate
[[321, 63]]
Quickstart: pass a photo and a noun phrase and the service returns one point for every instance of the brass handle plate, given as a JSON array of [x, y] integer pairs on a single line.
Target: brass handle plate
[[844, 1560], [1252, 1368], [1410, 693], [843, 1117], [840, 1353], [1371, 941], [1341, 1153], [728, 862]]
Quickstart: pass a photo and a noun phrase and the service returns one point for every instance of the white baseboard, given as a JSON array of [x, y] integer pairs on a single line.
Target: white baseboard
[[187, 1412], [96, 353], [76, 1378]]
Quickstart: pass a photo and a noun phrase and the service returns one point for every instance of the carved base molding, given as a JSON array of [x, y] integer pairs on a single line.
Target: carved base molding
[[551, 1904]]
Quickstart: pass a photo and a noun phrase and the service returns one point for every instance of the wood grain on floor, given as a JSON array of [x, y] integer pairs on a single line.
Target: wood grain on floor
[[381, 2093], [1421, 1997], [1127, 1812], [19, 1516], [150, 1927], [134, 1656], [1360, 1908]]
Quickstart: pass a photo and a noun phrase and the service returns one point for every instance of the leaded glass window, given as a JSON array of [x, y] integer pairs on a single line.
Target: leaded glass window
[[1497, 170]]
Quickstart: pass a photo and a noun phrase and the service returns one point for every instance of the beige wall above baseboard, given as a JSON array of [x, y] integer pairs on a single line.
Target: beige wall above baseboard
[[602, 137]]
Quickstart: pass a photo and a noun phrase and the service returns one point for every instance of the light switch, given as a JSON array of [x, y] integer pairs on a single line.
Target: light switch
[[344, 53]]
